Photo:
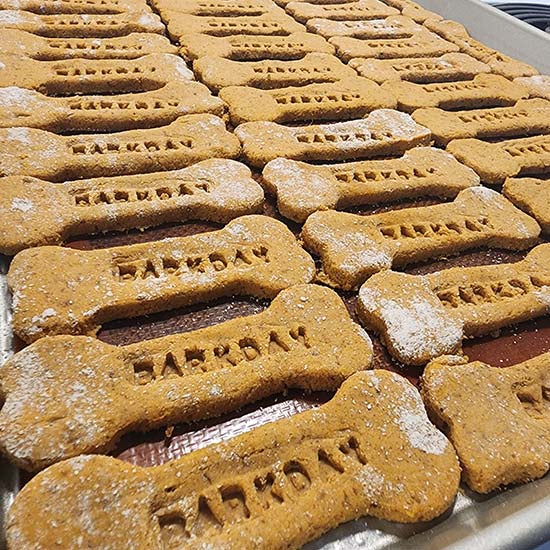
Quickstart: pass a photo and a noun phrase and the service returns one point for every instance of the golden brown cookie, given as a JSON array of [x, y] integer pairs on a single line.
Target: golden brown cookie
[[498, 419], [302, 189], [395, 26], [532, 196], [217, 8], [382, 132], [41, 154], [35, 213], [50, 7], [538, 85], [423, 316], [97, 392], [353, 247], [413, 10], [81, 290], [371, 448], [351, 11]]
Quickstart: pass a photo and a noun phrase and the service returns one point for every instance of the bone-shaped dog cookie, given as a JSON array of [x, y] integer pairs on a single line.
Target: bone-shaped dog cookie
[[351, 11], [371, 448], [423, 316], [495, 162], [305, 339], [49, 7], [449, 66], [217, 8], [382, 132], [537, 85], [302, 188], [189, 139], [499, 63], [498, 419], [253, 48], [81, 25], [349, 98], [80, 290], [218, 73], [134, 45], [353, 247], [34, 212], [532, 196], [422, 43], [526, 117], [413, 10], [88, 76]]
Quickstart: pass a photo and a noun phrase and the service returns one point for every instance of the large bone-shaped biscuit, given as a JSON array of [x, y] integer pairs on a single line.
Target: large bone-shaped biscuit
[[498, 419], [532, 196], [302, 189], [352, 11], [218, 73], [217, 8], [253, 48], [382, 132], [80, 290], [87, 76], [423, 316], [97, 392], [81, 25], [495, 162], [134, 45], [34, 212], [537, 85], [49, 7], [371, 448], [449, 66], [189, 139], [526, 117], [349, 98], [395, 26], [353, 247]]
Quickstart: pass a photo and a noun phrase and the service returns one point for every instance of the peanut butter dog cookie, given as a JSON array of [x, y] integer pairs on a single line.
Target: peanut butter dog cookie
[[531, 195], [396, 26], [538, 85], [217, 8], [80, 290], [34, 212], [353, 247], [371, 448], [423, 316], [97, 392], [413, 10], [49, 7], [351, 11], [501, 429]]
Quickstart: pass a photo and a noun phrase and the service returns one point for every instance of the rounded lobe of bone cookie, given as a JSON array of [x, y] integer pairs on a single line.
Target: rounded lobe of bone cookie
[[532, 195], [352, 11], [538, 85], [386, 459]]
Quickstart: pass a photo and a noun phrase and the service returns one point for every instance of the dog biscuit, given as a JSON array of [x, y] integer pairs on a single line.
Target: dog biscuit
[[353, 247], [495, 162], [81, 290], [532, 196], [382, 132], [81, 25], [423, 316], [345, 99], [35, 213], [449, 66], [526, 117], [54, 49], [302, 189], [413, 10], [352, 11], [498, 419], [396, 26], [538, 85], [305, 339], [371, 448], [499, 63], [217, 8], [42, 154], [97, 7]]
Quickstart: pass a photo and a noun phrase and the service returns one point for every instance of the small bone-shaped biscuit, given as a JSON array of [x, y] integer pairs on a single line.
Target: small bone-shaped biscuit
[[413, 10], [34, 212], [54, 49], [484, 90], [499, 63], [526, 117], [113, 113], [253, 48], [352, 11], [217, 8], [532, 196], [370, 450], [350, 98], [422, 43], [64, 291], [495, 162], [49, 7], [218, 73], [538, 85], [87, 76], [449, 66], [382, 132], [189, 139], [353, 247], [302, 188], [498, 419], [97, 392], [423, 316], [81, 25]]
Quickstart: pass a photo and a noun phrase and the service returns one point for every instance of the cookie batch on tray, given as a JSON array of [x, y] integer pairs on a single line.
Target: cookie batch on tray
[[386, 137]]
